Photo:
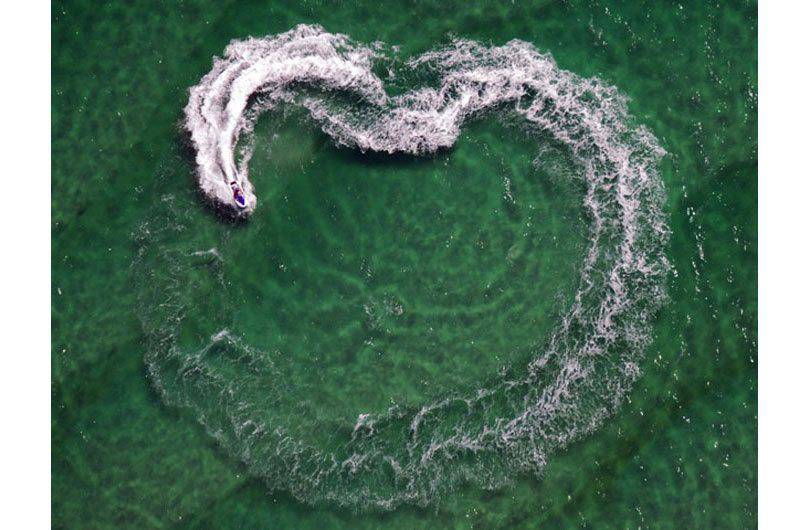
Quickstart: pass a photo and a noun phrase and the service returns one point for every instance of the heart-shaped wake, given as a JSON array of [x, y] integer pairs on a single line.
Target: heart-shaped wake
[[566, 390]]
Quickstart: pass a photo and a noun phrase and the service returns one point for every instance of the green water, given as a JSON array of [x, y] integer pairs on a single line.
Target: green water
[[426, 275]]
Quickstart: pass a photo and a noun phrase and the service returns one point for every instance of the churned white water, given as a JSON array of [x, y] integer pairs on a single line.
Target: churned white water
[[593, 356]]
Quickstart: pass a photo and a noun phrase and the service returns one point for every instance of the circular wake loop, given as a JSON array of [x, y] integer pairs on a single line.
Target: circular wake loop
[[568, 389]]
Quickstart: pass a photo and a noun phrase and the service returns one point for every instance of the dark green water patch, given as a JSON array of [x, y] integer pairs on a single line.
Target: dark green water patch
[[398, 281]]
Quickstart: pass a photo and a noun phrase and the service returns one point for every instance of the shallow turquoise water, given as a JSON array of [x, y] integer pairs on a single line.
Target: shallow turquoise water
[[320, 274]]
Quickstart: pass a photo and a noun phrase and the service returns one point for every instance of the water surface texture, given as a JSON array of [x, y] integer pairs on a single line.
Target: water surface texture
[[496, 267]]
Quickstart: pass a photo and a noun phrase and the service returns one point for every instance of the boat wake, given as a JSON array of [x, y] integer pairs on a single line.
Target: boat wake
[[413, 455]]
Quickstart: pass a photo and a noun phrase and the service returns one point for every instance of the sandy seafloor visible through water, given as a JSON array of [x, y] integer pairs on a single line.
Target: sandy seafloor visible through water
[[369, 282]]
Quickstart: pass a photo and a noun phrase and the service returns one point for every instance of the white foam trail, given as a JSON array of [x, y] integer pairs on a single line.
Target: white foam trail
[[592, 358]]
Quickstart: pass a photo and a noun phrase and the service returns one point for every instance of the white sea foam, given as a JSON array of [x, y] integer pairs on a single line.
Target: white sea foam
[[593, 356]]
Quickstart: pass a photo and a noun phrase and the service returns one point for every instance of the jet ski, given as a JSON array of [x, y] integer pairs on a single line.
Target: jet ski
[[238, 195]]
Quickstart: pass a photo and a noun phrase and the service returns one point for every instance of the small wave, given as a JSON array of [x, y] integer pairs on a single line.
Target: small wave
[[567, 390], [209, 253]]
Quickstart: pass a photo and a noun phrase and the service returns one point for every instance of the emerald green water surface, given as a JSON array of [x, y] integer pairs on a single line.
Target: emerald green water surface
[[380, 281]]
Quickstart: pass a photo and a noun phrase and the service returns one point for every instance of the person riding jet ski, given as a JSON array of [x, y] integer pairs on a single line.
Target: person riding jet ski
[[238, 195]]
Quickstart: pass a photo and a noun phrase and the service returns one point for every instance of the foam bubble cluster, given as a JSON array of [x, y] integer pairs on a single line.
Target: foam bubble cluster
[[566, 390]]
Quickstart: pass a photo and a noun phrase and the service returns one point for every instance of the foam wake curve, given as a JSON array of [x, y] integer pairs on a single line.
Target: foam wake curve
[[567, 389]]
